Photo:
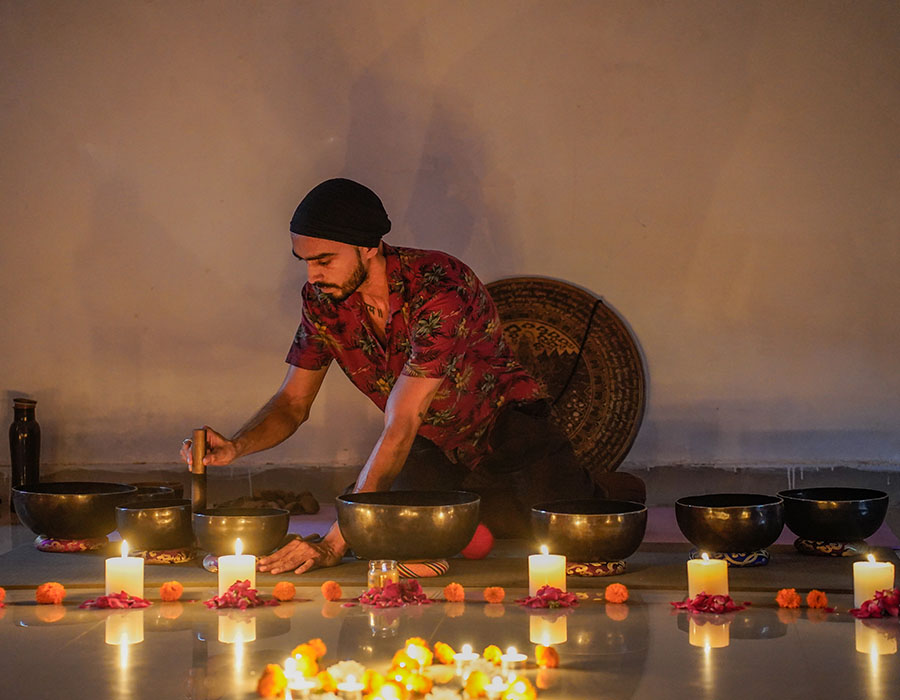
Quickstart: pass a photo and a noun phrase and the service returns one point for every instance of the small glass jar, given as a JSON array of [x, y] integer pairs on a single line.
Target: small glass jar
[[382, 572]]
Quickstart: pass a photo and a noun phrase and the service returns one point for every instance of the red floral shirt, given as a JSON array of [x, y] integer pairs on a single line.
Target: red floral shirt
[[442, 323]]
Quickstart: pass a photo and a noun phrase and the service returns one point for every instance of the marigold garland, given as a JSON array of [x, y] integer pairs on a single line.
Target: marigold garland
[[788, 598], [494, 594], [331, 590], [50, 593], [170, 591], [616, 593], [284, 591], [454, 592]]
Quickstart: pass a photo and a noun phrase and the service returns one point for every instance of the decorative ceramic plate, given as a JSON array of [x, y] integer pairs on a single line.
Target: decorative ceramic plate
[[585, 358]]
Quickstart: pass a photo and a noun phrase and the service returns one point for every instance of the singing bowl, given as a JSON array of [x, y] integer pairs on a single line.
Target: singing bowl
[[71, 510], [260, 530], [155, 523], [407, 525], [176, 487], [730, 522], [146, 492], [834, 513], [591, 530]]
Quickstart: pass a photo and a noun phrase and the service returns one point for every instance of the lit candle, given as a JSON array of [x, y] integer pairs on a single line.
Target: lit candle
[[511, 661], [709, 636], [125, 573], [546, 570], [708, 576], [125, 627], [495, 688], [874, 638], [236, 630], [464, 659], [547, 631], [870, 576], [350, 689], [236, 567]]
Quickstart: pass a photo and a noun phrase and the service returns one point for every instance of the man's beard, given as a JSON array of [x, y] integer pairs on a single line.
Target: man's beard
[[358, 276]]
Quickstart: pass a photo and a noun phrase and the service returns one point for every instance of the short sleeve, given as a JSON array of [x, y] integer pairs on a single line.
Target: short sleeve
[[435, 335], [310, 347]]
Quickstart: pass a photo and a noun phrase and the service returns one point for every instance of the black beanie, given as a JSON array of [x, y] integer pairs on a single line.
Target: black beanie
[[342, 210]]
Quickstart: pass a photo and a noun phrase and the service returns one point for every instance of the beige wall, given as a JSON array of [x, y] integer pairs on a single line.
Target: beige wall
[[725, 174]]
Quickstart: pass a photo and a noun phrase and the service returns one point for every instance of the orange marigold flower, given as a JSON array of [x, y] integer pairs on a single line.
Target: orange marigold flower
[[454, 592], [476, 684], [519, 688], [616, 593], [494, 594], [417, 649], [51, 593], [817, 599], [419, 683], [170, 591], [372, 681], [306, 660], [318, 647], [326, 680], [272, 682], [443, 653], [418, 641], [331, 590], [546, 657], [788, 598], [2, 595], [284, 591], [492, 653]]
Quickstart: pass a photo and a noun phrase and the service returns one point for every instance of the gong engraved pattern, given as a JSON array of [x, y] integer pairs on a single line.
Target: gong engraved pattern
[[544, 323]]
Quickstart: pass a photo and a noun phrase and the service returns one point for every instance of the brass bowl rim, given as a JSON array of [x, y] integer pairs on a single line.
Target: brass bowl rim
[[791, 495], [366, 498], [40, 490], [240, 512], [545, 507], [158, 504], [765, 500]]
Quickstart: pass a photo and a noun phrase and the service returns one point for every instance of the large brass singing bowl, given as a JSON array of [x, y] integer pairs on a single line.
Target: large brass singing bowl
[[730, 522], [406, 525], [834, 513], [155, 523], [260, 530], [590, 530], [71, 510]]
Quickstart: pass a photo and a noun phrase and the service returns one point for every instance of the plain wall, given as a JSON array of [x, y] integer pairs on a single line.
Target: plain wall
[[724, 174]]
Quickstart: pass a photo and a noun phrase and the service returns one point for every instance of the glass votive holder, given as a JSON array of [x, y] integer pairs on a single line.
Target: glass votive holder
[[382, 572]]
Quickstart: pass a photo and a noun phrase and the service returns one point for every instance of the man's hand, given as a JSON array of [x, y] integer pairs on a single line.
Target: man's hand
[[219, 449], [302, 556]]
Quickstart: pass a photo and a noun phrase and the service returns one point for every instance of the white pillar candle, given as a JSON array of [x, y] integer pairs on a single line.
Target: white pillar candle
[[236, 567], [236, 629], [546, 570], [125, 627], [708, 576], [125, 573], [547, 631], [875, 639], [870, 576], [709, 636]]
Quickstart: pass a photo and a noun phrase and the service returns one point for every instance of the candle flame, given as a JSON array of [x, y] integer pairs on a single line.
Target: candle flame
[[124, 548], [511, 651], [871, 558], [544, 549], [238, 546], [467, 649], [705, 556]]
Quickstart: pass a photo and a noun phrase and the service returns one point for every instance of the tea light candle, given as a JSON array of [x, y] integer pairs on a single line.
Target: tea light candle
[[870, 576], [464, 659], [125, 627], [125, 573], [495, 688], [350, 688], [708, 576], [874, 639], [511, 660], [547, 631], [546, 570], [236, 567], [709, 636]]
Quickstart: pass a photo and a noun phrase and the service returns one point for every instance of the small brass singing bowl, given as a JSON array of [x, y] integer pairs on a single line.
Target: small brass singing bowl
[[261, 530], [590, 529], [834, 513], [730, 522], [155, 524], [406, 525]]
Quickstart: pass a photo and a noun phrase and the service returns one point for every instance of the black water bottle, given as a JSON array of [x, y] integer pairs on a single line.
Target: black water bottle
[[24, 446]]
